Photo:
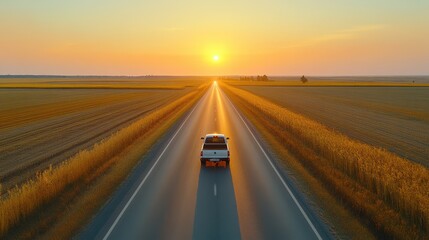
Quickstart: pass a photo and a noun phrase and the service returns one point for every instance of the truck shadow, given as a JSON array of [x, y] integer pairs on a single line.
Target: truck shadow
[[216, 214]]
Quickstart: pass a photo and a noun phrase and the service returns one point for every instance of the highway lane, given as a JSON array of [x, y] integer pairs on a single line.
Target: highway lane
[[170, 196]]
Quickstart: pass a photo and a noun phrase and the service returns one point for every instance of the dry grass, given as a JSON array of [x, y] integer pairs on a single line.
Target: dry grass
[[385, 190], [39, 127], [89, 202], [43, 127], [24, 201], [393, 118], [344, 223]]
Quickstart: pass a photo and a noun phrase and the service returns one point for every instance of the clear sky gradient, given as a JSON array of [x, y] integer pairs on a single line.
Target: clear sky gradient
[[283, 37]]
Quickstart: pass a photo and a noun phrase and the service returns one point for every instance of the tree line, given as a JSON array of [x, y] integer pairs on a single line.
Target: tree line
[[257, 78]]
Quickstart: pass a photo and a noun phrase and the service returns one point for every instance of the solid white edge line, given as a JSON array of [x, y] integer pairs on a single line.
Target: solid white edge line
[[147, 175], [278, 174]]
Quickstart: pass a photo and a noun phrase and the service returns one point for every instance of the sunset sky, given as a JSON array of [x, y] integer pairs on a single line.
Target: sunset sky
[[283, 37]]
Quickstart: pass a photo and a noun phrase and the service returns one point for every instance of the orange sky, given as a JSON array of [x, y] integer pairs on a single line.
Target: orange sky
[[180, 37]]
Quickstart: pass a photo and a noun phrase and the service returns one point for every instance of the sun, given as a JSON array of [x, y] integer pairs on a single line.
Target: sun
[[215, 58]]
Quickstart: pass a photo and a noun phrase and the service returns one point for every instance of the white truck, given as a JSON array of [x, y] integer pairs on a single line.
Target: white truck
[[214, 149]]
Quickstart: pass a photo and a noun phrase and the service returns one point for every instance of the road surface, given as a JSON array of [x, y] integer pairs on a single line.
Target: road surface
[[170, 196]]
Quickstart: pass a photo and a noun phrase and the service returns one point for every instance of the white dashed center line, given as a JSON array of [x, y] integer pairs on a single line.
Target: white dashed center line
[[215, 190]]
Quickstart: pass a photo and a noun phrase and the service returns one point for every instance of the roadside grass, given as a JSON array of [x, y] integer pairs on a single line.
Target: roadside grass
[[321, 83], [344, 223], [79, 212], [388, 193], [60, 185]]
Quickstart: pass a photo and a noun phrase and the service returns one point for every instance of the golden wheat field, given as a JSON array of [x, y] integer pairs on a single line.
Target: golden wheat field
[[388, 191], [214, 120], [42, 126], [394, 118], [103, 166]]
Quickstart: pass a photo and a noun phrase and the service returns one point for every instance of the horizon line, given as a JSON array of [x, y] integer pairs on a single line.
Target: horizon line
[[227, 75]]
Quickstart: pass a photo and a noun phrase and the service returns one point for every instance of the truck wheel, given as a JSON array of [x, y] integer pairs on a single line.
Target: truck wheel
[[227, 162], [203, 163]]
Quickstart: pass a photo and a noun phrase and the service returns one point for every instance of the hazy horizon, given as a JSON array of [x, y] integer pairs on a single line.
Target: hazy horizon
[[192, 76], [277, 38]]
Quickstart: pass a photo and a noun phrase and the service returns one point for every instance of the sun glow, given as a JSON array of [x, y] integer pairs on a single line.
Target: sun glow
[[215, 58]]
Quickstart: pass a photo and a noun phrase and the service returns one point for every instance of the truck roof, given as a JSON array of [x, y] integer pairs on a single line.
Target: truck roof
[[215, 134]]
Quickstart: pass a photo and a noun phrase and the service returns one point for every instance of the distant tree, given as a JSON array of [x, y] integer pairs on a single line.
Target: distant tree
[[264, 78], [252, 78], [304, 79]]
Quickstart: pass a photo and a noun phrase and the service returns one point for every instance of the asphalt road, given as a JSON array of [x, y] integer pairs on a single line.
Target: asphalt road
[[170, 196]]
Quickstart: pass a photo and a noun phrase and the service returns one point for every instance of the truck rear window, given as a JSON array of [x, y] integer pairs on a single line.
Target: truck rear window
[[215, 140], [215, 146]]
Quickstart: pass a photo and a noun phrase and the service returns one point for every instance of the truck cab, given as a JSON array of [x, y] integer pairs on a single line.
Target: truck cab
[[214, 149]]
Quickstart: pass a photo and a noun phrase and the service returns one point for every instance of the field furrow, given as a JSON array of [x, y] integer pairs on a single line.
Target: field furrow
[[387, 192], [54, 136], [359, 113]]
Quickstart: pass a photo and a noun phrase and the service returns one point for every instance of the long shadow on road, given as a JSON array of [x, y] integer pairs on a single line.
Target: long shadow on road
[[216, 210]]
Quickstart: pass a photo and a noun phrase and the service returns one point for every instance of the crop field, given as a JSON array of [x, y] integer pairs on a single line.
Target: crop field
[[59, 82], [72, 190], [44, 126], [394, 118], [361, 81], [387, 192]]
